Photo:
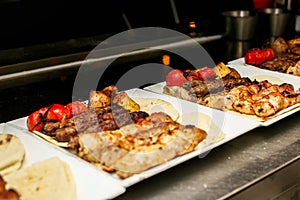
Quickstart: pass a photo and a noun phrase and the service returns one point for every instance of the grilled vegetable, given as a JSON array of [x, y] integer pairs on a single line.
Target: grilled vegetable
[[221, 70], [52, 113], [175, 78], [258, 56]]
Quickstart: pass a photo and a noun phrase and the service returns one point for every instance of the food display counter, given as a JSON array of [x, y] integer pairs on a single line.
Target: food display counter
[[252, 160], [261, 163]]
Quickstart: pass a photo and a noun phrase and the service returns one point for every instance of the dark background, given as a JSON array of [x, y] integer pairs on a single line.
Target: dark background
[[29, 22], [33, 30]]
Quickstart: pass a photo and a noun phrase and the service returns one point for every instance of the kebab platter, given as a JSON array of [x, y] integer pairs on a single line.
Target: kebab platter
[[282, 56], [128, 136], [250, 93]]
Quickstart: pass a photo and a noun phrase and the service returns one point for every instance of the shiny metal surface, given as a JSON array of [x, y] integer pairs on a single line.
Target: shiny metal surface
[[240, 24], [282, 184], [52, 67], [275, 21], [232, 170], [235, 170]]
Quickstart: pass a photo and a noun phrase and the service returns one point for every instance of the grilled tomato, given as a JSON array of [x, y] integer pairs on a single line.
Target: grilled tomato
[[175, 78], [258, 56], [206, 73], [76, 107], [52, 113]]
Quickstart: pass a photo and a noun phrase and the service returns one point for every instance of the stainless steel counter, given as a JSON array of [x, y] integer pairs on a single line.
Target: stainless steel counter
[[261, 164], [267, 157]]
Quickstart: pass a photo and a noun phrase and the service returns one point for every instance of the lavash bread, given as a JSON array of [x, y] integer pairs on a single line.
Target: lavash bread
[[12, 153], [45, 180], [151, 105]]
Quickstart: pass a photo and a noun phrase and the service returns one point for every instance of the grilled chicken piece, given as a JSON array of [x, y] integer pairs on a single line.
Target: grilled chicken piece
[[122, 99], [263, 98], [280, 45], [98, 99], [294, 69], [135, 148]]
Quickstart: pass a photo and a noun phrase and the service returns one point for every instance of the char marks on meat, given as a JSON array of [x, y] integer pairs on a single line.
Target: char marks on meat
[[202, 88], [99, 119], [281, 63]]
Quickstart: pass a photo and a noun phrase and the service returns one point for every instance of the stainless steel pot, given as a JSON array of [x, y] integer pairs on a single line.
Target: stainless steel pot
[[240, 24], [275, 21]]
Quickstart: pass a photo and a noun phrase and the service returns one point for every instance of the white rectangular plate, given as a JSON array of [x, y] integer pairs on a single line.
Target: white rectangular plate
[[241, 62], [274, 77], [90, 183], [218, 125], [258, 74]]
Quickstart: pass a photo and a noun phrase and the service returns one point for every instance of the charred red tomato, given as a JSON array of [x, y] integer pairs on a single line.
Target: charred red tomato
[[269, 54], [250, 57], [175, 78], [34, 120], [254, 57], [258, 56], [53, 113], [206, 73], [76, 107]]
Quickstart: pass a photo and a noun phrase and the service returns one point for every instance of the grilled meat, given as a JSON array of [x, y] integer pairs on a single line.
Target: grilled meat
[[99, 119], [137, 147], [201, 88], [281, 63]]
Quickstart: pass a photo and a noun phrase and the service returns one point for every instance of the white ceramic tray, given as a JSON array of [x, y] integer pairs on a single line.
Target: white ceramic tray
[[258, 74], [241, 62], [90, 183], [217, 124]]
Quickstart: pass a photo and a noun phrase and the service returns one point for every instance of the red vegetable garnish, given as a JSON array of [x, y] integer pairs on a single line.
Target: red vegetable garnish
[[206, 73], [76, 107], [175, 78], [269, 53], [53, 113], [35, 120], [258, 56]]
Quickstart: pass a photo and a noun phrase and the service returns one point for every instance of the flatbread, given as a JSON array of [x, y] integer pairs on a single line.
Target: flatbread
[[45, 180], [12, 153], [151, 105], [205, 122]]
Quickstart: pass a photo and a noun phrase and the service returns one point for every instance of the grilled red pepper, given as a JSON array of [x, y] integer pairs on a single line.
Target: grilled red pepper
[[76, 107], [258, 56], [269, 53], [52, 113], [175, 78], [206, 73]]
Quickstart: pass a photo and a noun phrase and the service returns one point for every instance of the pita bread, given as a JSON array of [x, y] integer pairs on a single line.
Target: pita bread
[[12, 153], [205, 122], [151, 105], [46, 180]]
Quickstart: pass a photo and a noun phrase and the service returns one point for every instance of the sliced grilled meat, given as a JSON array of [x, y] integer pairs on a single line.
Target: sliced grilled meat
[[137, 147], [202, 88], [281, 62], [100, 119]]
